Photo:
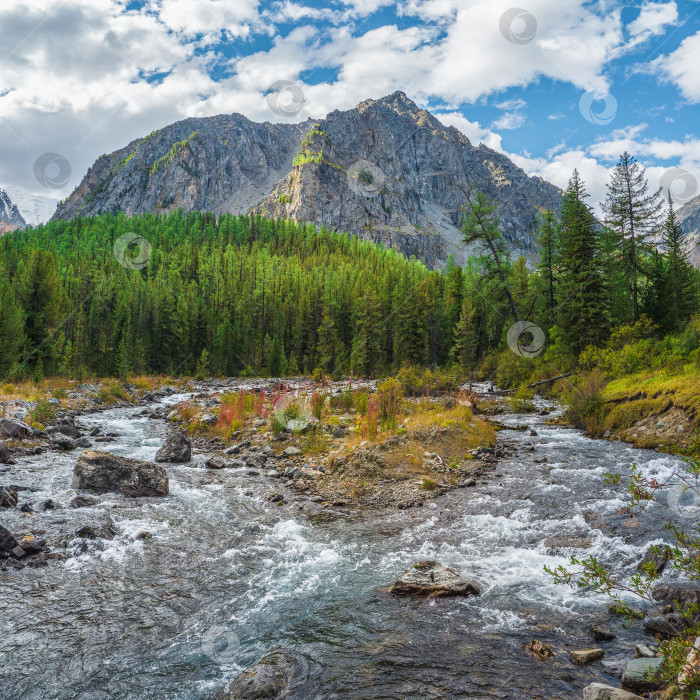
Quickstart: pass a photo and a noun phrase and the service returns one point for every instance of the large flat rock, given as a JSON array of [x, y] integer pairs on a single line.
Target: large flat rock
[[430, 578], [102, 471]]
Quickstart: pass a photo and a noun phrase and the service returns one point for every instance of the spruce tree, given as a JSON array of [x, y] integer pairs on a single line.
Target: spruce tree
[[11, 328], [633, 214], [549, 244], [582, 310], [679, 290]]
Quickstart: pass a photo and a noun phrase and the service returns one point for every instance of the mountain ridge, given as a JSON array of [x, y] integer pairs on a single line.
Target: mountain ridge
[[386, 171], [9, 212]]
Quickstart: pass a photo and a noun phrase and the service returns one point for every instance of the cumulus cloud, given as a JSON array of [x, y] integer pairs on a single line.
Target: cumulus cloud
[[680, 67]]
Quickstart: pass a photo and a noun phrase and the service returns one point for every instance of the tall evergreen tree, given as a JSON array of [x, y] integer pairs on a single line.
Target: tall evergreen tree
[[549, 244], [481, 226], [679, 294], [633, 214], [582, 310]]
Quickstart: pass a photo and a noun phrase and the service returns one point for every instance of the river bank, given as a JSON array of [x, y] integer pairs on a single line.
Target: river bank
[[193, 587]]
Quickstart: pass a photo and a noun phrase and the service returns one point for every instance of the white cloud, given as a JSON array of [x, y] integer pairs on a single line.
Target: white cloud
[[652, 21], [472, 130], [680, 67], [510, 120]]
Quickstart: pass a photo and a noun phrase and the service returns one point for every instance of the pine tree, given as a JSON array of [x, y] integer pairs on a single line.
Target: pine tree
[[275, 358], [633, 214], [11, 328], [481, 226], [582, 309], [679, 293], [549, 244], [465, 338]]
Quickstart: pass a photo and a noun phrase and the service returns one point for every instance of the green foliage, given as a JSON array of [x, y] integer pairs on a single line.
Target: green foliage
[[521, 401], [43, 413], [175, 150]]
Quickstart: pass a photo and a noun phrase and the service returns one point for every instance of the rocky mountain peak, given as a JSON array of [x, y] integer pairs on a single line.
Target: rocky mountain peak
[[386, 171], [9, 212]]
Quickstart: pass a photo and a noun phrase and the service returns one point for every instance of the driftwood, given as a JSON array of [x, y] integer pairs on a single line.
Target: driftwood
[[544, 381]]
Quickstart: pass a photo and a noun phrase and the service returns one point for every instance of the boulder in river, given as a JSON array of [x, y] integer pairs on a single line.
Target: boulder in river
[[215, 462], [643, 675], [102, 471], [598, 691], [4, 453], [430, 578], [63, 442], [16, 429], [177, 449], [8, 498], [583, 657], [81, 501], [274, 677], [601, 633], [7, 540], [100, 529]]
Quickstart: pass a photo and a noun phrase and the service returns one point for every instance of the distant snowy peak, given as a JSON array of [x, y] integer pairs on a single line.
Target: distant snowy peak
[[35, 209], [9, 212]]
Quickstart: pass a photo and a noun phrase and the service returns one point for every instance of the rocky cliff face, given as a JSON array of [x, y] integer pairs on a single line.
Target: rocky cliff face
[[9, 213], [689, 217], [386, 171]]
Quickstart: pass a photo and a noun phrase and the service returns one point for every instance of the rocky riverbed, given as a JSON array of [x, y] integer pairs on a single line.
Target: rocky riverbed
[[173, 595]]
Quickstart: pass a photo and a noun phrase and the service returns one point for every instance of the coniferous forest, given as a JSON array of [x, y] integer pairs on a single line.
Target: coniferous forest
[[242, 294]]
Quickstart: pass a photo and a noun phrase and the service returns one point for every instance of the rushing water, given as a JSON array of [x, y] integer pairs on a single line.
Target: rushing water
[[226, 577]]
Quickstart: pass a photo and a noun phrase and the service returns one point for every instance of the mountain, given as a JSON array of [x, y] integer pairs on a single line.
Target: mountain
[[386, 171], [689, 218], [35, 209], [9, 213]]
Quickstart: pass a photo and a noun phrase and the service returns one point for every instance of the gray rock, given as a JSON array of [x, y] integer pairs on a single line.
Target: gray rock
[[177, 449], [291, 451], [276, 676], [8, 498], [15, 429], [7, 540], [102, 471], [644, 652], [598, 691], [430, 578], [643, 675], [601, 634], [5, 456], [81, 501], [101, 529], [663, 624], [215, 462], [83, 442], [615, 665], [63, 442]]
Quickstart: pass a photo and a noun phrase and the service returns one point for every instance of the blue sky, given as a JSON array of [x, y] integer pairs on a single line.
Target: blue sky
[[555, 84]]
